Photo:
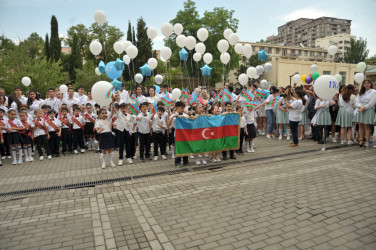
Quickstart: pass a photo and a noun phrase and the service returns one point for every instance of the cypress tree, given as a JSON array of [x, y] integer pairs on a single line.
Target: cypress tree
[[75, 61], [47, 48], [144, 44], [126, 75], [129, 33], [133, 36], [55, 44]]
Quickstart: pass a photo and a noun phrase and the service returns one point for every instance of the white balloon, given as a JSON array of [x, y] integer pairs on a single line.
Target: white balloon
[[338, 77], [332, 50], [100, 17], [225, 58], [252, 72], [238, 48], [326, 86], [267, 67], [181, 41], [208, 58], [264, 84], [200, 48], [138, 78], [126, 44], [63, 88], [152, 63], [158, 79], [26, 81], [202, 34], [233, 38], [132, 51], [197, 57], [358, 77], [296, 78], [126, 59], [99, 92], [190, 42], [119, 47], [166, 53], [259, 70], [243, 79], [95, 47], [222, 45], [176, 94], [178, 28], [313, 68], [166, 29], [97, 71], [247, 50], [152, 32], [227, 32]]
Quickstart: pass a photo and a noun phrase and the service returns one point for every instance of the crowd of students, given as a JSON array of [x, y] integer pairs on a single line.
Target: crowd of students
[[72, 122]]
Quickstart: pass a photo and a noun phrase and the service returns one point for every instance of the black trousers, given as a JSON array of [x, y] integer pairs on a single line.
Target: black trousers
[[241, 139], [78, 138], [159, 140], [124, 141], [144, 145], [42, 139], [178, 160], [315, 131], [54, 142], [66, 138], [4, 148], [294, 131], [224, 153], [321, 132]]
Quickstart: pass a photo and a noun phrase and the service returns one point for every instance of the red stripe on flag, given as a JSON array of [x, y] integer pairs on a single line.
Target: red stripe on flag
[[206, 133]]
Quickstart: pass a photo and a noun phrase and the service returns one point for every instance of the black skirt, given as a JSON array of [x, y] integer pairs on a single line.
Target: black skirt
[[25, 139], [251, 129], [13, 138], [89, 126], [106, 141]]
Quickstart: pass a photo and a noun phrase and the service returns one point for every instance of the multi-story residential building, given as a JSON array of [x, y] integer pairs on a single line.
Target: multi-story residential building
[[340, 40]]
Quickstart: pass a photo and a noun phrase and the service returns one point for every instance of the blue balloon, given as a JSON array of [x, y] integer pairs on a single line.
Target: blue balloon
[[102, 67], [119, 64], [116, 84], [146, 70], [157, 89], [112, 72], [206, 70], [183, 54], [262, 55]]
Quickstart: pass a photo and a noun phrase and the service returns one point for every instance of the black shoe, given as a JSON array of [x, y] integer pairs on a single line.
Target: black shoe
[[186, 164], [233, 157], [97, 151], [178, 165], [64, 153], [142, 159], [225, 158], [241, 152], [237, 152], [57, 155], [71, 152], [320, 142]]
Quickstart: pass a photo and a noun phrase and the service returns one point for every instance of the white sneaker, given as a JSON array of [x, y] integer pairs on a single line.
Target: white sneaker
[[129, 160], [288, 138], [172, 156], [41, 158], [204, 162], [27, 159], [1, 163], [343, 142], [14, 162], [280, 137], [3, 157], [112, 164], [9, 157], [263, 133], [75, 152], [164, 157], [334, 140], [248, 151], [103, 165], [206, 155], [31, 158], [120, 163], [19, 161], [191, 156], [155, 158], [252, 150], [218, 160], [49, 157], [82, 150], [350, 142], [213, 160], [198, 162], [134, 157], [272, 136], [268, 136]]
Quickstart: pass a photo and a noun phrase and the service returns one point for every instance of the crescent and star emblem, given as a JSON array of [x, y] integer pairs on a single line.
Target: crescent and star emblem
[[204, 136]]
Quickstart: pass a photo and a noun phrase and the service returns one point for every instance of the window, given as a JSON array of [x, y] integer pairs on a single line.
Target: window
[[306, 53], [326, 72], [299, 52], [312, 53], [277, 51], [270, 50], [343, 74]]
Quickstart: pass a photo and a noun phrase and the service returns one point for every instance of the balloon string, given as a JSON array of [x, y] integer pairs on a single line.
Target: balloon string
[[187, 74], [133, 73], [104, 45]]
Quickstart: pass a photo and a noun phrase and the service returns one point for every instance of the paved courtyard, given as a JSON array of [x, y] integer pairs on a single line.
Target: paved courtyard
[[276, 198]]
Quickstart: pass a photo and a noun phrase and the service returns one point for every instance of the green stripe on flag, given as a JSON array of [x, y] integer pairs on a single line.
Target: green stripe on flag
[[191, 147]]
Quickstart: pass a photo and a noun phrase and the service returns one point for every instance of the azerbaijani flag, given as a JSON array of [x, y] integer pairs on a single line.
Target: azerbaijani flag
[[206, 134], [260, 93], [227, 95], [167, 101], [135, 110], [154, 109], [273, 103], [184, 92], [252, 104], [194, 99], [134, 98], [247, 95]]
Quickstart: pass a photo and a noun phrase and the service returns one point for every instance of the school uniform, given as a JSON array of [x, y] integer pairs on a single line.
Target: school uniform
[[40, 136], [367, 100], [178, 159], [158, 134], [270, 115], [70, 102], [54, 103], [82, 99], [106, 138], [144, 135], [346, 110], [26, 135], [322, 119], [295, 116], [250, 123], [242, 133], [66, 133], [4, 147], [89, 123], [78, 123], [283, 116], [124, 125], [13, 135], [305, 120], [53, 126], [35, 105]]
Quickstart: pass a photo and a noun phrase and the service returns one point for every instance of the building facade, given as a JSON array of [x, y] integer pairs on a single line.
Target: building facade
[[340, 40], [304, 31]]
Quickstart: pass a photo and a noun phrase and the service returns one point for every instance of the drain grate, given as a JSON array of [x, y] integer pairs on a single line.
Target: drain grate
[[29, 191], [168, 172]]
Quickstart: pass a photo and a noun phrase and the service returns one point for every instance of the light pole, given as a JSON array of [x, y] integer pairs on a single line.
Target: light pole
[[292, 76]]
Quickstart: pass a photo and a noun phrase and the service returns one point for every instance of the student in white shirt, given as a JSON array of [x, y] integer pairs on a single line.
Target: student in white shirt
[[81, 96], [106, 138], [159, 126], [139, 95], [33, 102], [40, 134], [53, 101], [54, 130], [269, 110], [12, 126], [71, 99], [152, 97], [295, 114], [144, 131], [78, 126], [16, 100]]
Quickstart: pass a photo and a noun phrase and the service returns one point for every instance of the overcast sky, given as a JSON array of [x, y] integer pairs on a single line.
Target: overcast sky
[[257, 19]]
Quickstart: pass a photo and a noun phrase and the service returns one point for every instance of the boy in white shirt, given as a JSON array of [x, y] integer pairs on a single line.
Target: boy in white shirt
[[54, 130], [40, 134], [159, 127], [78, 122], [144, 131]]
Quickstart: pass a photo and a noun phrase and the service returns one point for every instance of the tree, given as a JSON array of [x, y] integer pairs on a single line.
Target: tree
[[55, 43], [6, 44], [144, 44], [16, 63], [75, 61], [357, 52], [126, 74], [129, 33], [33, 45], [134, 41], [82, 34], [86, 77], [47, 48], [371, 60]]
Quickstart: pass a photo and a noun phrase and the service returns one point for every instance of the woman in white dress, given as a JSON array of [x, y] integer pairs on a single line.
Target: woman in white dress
[[33, 102]]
